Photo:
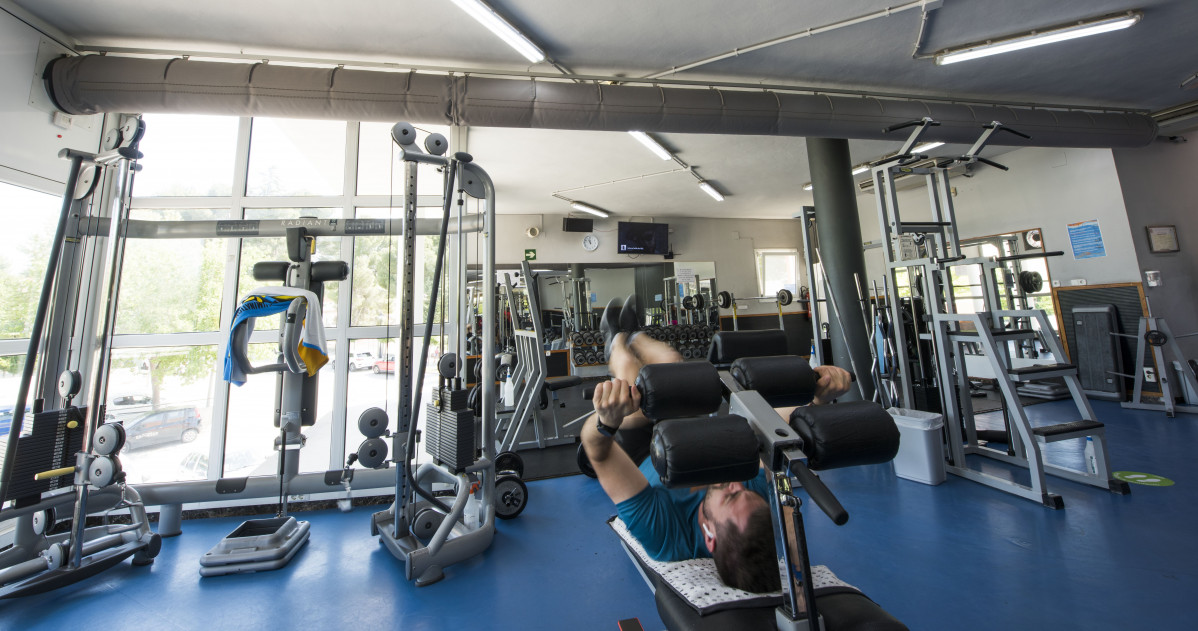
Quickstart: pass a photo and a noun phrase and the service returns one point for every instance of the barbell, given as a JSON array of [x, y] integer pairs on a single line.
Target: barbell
[[783, 297]]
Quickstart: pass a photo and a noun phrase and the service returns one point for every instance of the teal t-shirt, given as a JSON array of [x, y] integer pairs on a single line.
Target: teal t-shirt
[[665, 520]]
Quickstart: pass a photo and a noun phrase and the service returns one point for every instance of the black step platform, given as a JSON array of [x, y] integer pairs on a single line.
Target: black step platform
[[1042, 371], [1061, 431]]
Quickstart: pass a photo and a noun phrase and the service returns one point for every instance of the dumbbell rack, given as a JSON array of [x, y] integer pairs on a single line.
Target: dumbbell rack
[[690, 340], [586, 348]]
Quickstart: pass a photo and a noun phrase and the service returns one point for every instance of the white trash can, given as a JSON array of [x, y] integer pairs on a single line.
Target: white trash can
[[920, 455]]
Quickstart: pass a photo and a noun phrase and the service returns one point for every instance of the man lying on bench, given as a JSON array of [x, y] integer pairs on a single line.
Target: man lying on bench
[[730, 522]]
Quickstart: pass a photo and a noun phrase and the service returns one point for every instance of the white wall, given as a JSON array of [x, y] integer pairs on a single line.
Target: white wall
[[29, 152], [728, 243], [1044, 188]]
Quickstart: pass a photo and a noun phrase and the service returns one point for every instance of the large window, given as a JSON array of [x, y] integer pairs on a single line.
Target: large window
[[187, 155], [290, 157], [777, 269], [169, 329], [31, 218]]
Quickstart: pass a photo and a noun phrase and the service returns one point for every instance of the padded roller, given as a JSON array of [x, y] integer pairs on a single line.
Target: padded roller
[[706, 450], [270, 270], [846, 434], [784, 380], [728, 346], [325, 271], [679, 389]]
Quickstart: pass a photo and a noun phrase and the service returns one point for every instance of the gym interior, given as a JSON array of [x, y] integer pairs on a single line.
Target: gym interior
[[302, 308]]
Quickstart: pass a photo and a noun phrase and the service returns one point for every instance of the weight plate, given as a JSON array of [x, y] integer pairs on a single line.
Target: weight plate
[[723, 299], [584, 463], [372, 453], [1156, 338], [436, 144], [474, 400], [373, 422], [1031, 282], [699, 301], [448, 365], [688, 302], [576, 358], [785, 297], [511, 496], [108, 439], [510, 461], [403, 133], [426, 522]]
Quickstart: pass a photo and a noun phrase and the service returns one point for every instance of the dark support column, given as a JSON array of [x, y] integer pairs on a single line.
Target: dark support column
[[839, 229], [576, 270]]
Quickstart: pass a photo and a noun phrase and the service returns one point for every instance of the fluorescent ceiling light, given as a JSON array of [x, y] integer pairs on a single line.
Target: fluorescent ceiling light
[[1049, 36], [487, 16], [653, 145], [861, 169], [587, 208], [707, 188], [927, 146]]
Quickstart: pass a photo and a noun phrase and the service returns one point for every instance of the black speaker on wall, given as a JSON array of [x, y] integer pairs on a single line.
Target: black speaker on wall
[[570, 224]]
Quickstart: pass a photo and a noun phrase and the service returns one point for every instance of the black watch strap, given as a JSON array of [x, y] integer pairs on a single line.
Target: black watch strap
[[604, 429]]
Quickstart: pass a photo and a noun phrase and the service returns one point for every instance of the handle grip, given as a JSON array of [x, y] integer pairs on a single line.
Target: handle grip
[[991, 163], [1015, 131], [910, 123], [820, 494]]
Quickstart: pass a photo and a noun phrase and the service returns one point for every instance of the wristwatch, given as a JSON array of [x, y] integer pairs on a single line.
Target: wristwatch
[[604, 429]]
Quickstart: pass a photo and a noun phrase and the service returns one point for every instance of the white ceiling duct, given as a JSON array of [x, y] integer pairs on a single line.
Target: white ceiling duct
[[92, 84]]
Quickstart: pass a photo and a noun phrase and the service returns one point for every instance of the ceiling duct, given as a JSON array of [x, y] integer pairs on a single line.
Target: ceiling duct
[[95, 83]]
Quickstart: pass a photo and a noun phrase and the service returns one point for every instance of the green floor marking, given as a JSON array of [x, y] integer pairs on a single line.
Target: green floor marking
[[1146, 479]]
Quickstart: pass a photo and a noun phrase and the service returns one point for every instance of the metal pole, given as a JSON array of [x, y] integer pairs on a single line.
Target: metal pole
[[840, 246]]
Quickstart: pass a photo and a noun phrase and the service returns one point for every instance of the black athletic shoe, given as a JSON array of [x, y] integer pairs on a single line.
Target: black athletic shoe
[[609, 325], [629, 319]]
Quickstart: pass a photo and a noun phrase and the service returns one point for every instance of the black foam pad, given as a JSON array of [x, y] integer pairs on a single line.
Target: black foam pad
[[728, 346], [706, 450], [846, 434], [784, 380], [679, 389]]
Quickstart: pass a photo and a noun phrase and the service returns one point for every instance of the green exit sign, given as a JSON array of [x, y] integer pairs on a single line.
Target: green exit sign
[[530, 255]]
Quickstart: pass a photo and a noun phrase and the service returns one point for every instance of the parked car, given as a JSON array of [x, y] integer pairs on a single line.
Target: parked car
[[178, 424], [386, 364], [361, 361], [6, 414]]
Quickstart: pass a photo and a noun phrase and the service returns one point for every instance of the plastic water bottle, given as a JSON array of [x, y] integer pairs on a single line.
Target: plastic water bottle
[[470, 515], [1091, 461]]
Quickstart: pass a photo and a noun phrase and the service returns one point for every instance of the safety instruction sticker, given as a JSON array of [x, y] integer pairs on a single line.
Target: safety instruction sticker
[[1146, 479], [1086, 239]]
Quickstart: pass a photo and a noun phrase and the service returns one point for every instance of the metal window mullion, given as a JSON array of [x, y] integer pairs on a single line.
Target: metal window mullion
[[229, 300], [152, 340], [340, 332]]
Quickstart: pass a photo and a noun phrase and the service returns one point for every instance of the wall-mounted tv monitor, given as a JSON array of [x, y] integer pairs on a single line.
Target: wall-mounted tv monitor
[[643, 238]]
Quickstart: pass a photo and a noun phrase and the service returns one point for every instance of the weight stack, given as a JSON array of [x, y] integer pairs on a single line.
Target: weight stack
[[449, 435]]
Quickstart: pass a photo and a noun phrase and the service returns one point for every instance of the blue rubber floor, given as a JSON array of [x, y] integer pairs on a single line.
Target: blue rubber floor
[[954, 556]]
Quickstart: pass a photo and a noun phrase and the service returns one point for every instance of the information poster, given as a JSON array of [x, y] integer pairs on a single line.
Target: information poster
[[1086, 239]]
